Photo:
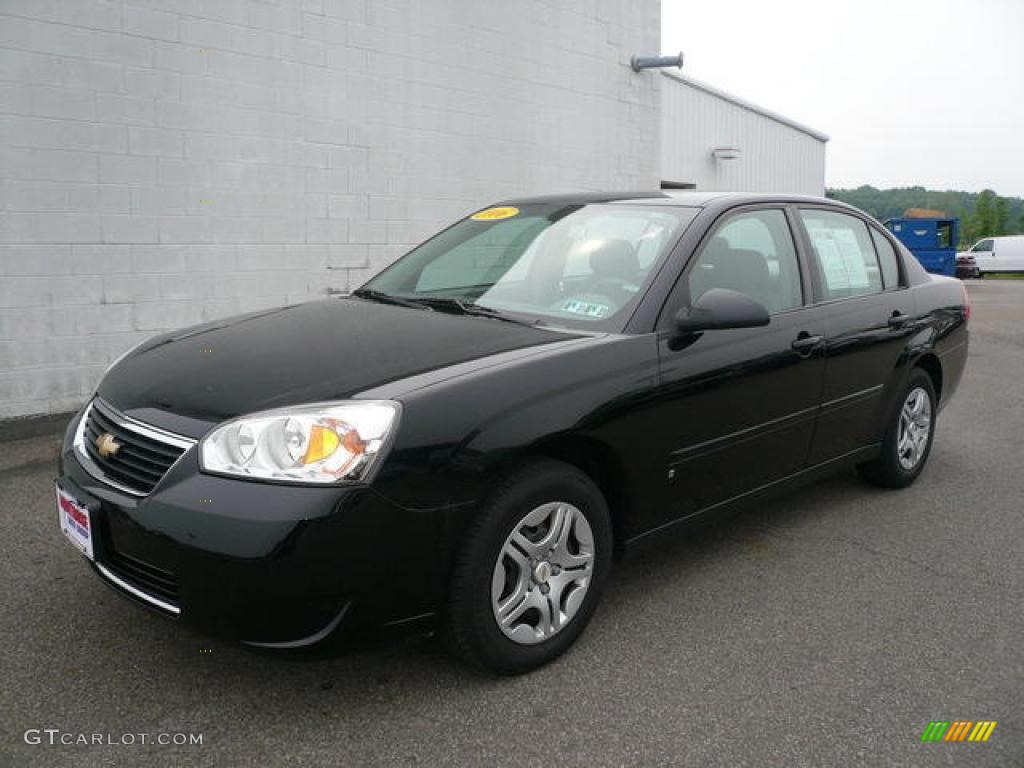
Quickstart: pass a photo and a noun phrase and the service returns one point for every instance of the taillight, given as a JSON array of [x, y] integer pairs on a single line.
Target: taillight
[[967, 303]]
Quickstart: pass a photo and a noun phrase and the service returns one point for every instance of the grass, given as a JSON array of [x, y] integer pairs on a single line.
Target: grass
[[1004, 275]]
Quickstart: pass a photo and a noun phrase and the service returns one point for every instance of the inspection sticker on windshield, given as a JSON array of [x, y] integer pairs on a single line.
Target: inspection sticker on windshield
[[494, 214], [585, 308]]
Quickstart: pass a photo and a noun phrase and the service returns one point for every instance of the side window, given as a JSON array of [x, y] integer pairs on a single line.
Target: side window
[[984, 245], [887, 258], [847, 263], [752, 253]]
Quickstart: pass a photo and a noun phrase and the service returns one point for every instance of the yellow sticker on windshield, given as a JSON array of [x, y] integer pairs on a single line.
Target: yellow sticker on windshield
[[493, 214]]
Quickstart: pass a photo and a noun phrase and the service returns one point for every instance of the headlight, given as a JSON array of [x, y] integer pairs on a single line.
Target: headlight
[[321, 443]]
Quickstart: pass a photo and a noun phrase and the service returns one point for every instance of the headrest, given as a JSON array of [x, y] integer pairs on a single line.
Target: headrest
[[750, 262], [717, 245], [615, 259]]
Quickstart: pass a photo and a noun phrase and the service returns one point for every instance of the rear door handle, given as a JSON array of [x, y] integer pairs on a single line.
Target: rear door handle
[[806, 342], [898, 319]]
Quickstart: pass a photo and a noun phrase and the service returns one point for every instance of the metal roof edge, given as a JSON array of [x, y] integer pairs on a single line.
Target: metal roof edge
[[712, 91]]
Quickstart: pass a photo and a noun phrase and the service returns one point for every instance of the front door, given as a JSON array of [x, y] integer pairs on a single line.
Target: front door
[[737, 407], [985, 256]]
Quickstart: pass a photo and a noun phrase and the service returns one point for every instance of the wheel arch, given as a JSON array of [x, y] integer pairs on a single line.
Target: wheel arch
[[927, 361], [598, 462], [931, 365]]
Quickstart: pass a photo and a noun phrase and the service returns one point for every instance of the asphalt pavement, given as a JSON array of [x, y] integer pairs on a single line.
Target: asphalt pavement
[[824, 629]]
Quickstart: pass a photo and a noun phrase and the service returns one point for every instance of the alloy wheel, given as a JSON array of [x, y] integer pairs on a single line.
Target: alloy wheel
[[914, 428]]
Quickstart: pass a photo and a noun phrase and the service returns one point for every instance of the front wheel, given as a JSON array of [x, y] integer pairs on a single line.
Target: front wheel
[[531, 569], [908, 439]]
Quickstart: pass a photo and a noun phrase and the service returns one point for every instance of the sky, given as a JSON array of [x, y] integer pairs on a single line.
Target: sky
[[911, 93]]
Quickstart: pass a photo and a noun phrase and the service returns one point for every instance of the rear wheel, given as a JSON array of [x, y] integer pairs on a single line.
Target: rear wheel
[[908, 439], [531, 569]]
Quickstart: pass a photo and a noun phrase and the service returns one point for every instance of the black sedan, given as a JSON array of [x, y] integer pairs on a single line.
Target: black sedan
[[467, 442]]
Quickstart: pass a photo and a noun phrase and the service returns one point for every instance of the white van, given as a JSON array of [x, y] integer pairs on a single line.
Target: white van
[[999, 254]]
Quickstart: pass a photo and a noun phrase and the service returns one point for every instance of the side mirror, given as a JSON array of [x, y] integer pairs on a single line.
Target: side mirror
[[721, 308]]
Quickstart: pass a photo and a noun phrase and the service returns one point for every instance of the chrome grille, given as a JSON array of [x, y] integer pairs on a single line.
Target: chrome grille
[[143, 458]]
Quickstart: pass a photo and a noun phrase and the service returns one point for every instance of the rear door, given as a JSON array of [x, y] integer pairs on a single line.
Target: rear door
[[736, 407], [869, 314], [1010, 251]]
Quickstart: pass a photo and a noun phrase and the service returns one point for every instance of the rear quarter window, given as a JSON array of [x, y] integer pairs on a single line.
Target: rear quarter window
[[887, 259]]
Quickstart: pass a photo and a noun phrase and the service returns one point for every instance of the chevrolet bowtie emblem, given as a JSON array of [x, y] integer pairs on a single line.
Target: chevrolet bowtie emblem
[[107, 445]]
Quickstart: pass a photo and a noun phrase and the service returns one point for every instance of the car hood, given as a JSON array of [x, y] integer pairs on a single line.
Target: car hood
[[323, 350]]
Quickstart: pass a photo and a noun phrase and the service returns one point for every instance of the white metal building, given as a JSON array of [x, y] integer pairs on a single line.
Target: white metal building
[[713, 140], [166, 162]]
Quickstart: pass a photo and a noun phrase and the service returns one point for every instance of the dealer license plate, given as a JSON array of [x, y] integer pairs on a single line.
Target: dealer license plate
[[75, 522]]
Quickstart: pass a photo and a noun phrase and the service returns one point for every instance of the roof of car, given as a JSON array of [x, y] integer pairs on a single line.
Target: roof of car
[[689, 198]]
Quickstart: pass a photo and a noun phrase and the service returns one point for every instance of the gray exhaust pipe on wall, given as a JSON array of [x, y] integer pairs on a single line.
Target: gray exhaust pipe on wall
[[656, 62]]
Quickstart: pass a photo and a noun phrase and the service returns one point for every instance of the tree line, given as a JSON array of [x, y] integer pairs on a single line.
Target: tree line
[[981, 214]]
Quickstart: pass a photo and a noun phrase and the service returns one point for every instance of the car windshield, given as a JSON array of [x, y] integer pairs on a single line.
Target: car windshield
[[577, 266]]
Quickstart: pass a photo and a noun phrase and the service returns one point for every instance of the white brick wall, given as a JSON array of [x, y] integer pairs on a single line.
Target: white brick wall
[[166, 162]]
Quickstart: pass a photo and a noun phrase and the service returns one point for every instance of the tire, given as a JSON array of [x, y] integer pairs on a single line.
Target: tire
[[494, 570], [900, 462]]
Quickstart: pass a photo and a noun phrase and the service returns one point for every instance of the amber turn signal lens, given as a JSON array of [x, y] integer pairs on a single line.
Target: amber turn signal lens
[[322, 443]]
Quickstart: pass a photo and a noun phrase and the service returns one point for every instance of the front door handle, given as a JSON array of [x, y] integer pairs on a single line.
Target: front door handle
[[806, 342], [898, 319]]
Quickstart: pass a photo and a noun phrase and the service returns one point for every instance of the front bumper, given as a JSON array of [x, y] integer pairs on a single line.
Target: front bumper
[[267, 564]]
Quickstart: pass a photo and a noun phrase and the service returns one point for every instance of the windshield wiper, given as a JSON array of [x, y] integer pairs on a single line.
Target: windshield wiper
[[439, 304], [387, 298], [462, 307]]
